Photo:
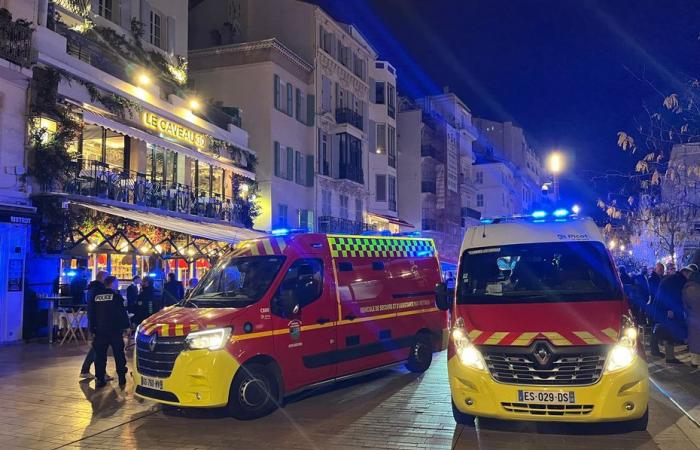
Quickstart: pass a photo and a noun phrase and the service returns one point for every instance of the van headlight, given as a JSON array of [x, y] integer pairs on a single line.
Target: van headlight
[[623, 354], [213, 339], [467, 352]]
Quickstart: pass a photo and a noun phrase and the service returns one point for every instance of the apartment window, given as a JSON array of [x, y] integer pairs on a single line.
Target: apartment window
[[298, 111], [278, 92], [359, 213], [350, 158], [155, 30], [358, 66], [480, 200], [381, 188], [344, 212], [392, 193], [392, 146], [105, 8], [324, 163], [480, 177], [299, 168], [379, 87], [503, 199], [391, 100], [381, 138], [282, 215], [290, 99], [326, 94], [326, 203], [327, 41], [284, 161], [306, 221]]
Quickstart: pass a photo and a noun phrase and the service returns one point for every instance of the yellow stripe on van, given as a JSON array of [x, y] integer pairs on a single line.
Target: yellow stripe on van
[[556, 338], [587, 337], [524, 338], [268, 247], [496, 338], [612, 334]]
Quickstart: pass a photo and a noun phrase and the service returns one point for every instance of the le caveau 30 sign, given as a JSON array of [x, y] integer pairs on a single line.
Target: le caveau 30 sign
[[175, 130]]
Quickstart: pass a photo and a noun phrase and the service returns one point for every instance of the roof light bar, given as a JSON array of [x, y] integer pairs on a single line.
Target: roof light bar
[[539, 214], [561, 212]]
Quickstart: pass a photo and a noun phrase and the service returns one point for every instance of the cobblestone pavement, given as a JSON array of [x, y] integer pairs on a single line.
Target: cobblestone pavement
[[43, 406]]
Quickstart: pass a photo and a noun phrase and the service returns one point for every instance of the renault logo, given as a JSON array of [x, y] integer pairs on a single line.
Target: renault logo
[[152, 342], [542, 354]]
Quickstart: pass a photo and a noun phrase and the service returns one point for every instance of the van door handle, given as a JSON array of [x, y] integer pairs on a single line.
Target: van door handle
[[322, 320], [350, 317]]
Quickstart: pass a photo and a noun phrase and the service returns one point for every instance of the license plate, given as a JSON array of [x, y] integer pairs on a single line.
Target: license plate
[[153, 383], [548, 398]]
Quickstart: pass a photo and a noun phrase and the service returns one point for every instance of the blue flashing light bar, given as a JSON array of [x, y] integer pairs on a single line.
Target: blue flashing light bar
[[70, 273], [561, 212], [280, 232], [539, 214], [487, 221], [409, 234]]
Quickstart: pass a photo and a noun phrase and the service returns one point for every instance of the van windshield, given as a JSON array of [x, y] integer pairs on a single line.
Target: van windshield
[[235, 282], [542, 272]]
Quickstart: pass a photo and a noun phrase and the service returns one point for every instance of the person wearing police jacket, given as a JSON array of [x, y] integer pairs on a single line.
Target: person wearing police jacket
[[108, 319]]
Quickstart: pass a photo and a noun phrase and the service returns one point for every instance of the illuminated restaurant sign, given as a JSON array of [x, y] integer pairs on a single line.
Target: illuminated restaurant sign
[[175, 130]]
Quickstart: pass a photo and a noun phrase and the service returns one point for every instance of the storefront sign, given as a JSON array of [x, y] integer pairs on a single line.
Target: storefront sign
[[175, 130]]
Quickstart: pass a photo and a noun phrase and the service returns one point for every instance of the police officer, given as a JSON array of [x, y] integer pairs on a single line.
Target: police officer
[[108, 319]]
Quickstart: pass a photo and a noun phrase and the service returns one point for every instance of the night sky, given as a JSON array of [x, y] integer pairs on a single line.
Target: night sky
[[570, 72]]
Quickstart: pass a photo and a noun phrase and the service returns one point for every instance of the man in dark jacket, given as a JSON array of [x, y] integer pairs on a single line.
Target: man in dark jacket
[[92, 288], [108, 320], [132, 294], [669, 314], [146, 302], [173, 291]]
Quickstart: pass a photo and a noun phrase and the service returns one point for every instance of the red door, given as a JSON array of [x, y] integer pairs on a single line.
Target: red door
[[305, 342]]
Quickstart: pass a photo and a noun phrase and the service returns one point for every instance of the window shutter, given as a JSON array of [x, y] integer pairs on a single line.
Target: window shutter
[[298, 104], [277, 159], [310, 110], [335, 156], [145, 18], [290, 163], [372, 91], [309, 170], [381, 188], [297, 167], [125, 14], [372, 136], [170, 36]]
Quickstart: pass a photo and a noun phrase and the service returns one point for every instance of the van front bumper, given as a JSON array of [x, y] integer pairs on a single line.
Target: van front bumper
[[476, 393], [200, 378]]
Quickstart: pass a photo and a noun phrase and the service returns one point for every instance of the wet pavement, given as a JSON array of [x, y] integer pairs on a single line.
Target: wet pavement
[[43, 406]]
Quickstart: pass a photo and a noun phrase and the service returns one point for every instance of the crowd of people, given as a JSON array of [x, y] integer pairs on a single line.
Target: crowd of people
[[110, 315], [667, 300]]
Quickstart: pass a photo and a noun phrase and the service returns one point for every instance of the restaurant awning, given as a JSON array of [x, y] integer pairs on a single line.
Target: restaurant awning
[[106, 122], [394, 220], [208, 230]]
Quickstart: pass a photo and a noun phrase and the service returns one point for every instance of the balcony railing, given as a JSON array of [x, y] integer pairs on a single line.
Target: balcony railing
[[329, 224], [428, 187], [93, 53], [97, 179], [15, 40], [347, 115], [351, 172]]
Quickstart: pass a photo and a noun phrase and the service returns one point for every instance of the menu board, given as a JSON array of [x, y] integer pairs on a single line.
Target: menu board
[[15, 275]]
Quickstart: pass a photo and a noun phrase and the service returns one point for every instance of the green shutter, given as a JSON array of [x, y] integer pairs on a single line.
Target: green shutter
[[277, 93], [297, 167], [277, 159], [290, 163], [310, 110], [310, 170]]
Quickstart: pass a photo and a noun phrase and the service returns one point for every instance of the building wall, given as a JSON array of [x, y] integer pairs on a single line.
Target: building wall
[[409, 126], [13, 100], [251, 88]]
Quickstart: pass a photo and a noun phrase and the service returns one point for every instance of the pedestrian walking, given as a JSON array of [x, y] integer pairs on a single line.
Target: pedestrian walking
[[132, 294], [670, 327], [173, 291], [92, 288], [691, 303], [108, 320]]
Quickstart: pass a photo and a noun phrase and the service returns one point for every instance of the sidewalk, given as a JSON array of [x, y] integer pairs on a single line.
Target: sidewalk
[[679, 381]]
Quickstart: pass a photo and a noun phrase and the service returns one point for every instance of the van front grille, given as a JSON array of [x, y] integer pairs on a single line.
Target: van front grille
[[562, 366], [158, 361], [534, 409]]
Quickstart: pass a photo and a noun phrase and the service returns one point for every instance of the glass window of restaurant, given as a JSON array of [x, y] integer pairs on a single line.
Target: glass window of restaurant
[[104, 146], [217, 186], [163, 165], [203, 179]]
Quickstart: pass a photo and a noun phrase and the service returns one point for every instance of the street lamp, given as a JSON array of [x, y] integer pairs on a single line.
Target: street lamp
[[555, 165]]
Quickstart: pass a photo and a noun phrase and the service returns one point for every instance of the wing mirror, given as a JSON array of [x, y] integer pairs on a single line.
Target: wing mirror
[[443, 299]]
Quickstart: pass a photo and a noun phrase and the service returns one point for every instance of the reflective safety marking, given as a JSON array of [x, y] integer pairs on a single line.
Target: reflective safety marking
[[179, 330], [254, 249], [587, 337], [474, 334], [268, 247], [556, 338], [496, 338], [380, 247], [281, 244], [612, 334], [418, 311], [164, 329], [525, 338]]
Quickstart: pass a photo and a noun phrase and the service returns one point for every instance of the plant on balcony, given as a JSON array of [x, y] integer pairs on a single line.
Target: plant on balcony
[[15, 39], [246, 201], [241, 157]]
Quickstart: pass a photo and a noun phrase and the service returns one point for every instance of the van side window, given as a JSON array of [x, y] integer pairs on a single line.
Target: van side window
[[305, 278], [345, 266], [378, 265]]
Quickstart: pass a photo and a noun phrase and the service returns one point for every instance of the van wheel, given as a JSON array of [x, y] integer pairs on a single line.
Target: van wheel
[[253, 393], [421, 354], [462, 418], [639, 424]]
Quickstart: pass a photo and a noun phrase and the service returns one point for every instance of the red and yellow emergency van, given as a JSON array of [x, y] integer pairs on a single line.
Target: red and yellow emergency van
[[542, 329], [286, 312]]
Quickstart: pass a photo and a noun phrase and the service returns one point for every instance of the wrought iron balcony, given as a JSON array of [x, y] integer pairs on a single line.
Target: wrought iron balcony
[[329, 224], [15, 39], [347, 115], [97, 179]]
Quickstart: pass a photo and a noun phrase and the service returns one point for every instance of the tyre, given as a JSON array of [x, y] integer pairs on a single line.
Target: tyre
[[462, 418], [639, 424], [254, 392], [421, 354]]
